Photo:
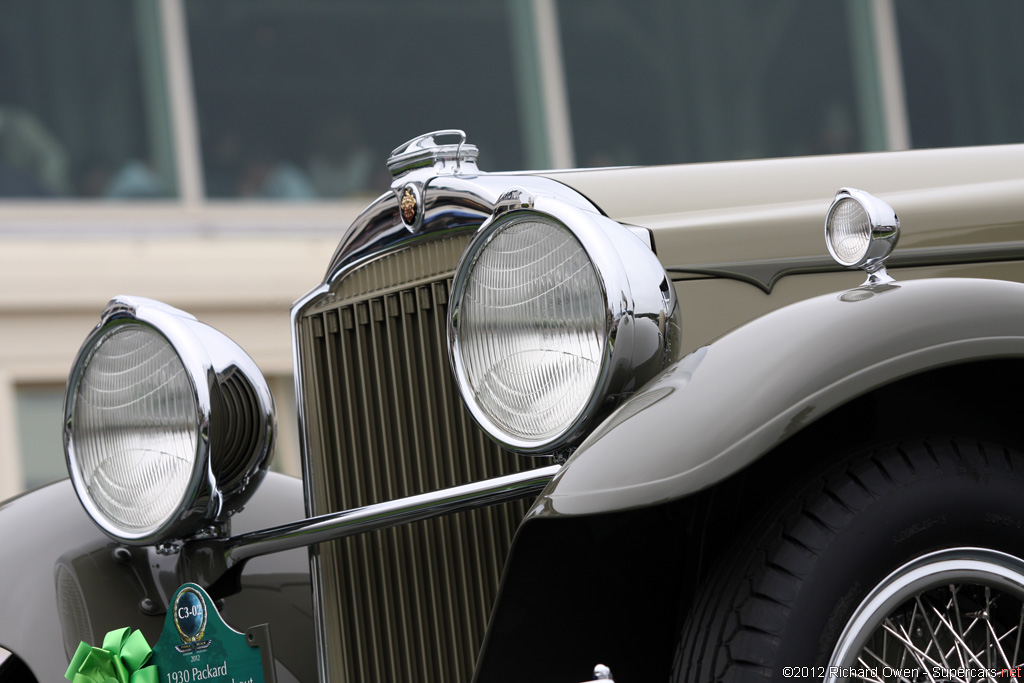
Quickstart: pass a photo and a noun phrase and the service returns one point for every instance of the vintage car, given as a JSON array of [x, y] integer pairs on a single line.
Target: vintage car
[[655, 419]]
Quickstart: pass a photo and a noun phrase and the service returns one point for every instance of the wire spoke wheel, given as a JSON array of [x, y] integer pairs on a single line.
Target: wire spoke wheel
[[954, 615]]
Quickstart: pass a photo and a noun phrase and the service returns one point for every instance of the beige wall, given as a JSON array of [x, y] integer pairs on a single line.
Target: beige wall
[[237, 268]]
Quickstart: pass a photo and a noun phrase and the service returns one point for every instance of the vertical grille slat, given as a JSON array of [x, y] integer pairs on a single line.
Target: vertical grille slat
[[385, 420]]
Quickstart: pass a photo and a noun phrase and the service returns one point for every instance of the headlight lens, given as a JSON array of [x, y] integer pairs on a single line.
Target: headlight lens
[[849, 232], [169, 426], [533, 327], [556, 314], [136, 425]]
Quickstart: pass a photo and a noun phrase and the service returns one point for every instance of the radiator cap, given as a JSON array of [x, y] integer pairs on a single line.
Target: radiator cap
[[453, 158]]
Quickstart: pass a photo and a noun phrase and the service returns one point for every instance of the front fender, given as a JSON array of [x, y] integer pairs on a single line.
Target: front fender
[[35, 530], [61, 581], [728, 403]]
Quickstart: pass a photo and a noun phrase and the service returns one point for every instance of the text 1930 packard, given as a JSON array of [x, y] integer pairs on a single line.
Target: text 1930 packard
[[640, 417]]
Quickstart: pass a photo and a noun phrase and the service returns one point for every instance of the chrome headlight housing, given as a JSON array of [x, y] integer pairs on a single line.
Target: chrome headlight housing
[[861, 230], [556, 314], [168, 425]]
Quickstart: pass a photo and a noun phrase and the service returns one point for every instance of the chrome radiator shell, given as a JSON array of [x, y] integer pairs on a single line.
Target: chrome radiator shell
[[381, 418]]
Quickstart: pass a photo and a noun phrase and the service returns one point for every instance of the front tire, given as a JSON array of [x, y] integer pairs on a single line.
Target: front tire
[[780, 604]]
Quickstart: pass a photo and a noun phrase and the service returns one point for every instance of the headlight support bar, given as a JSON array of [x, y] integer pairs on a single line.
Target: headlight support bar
[[217, 563]]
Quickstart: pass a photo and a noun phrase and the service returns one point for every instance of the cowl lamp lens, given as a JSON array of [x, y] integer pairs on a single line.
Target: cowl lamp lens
[[861, 230]]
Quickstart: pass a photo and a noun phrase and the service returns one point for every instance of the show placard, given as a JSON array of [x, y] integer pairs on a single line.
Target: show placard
[[196, 645]]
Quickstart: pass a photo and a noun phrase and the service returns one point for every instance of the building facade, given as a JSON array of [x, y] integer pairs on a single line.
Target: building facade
[[210, 154]]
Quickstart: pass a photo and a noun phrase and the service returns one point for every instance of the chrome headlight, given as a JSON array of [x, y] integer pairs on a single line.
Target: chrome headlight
[[168, 425], [861, 230], [556, 314]]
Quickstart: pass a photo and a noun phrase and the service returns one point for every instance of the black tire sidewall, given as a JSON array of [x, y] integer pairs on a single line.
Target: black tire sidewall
[[931, 498]]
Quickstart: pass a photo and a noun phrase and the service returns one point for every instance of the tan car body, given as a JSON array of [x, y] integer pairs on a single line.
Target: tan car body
[[961, 216], [763, 219]]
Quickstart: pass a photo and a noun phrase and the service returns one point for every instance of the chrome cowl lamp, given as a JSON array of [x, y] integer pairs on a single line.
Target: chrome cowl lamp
[[168, 425], [861, 231]]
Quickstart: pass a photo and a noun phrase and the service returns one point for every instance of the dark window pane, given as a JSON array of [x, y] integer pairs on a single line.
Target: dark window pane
[[661, 81], [962, 69], [304, 99], [82, 103], [39, 410]]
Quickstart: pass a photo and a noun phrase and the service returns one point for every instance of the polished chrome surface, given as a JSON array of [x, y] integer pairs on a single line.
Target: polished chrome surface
[[642, 316], [883, 233], [434, 440], [450, 203], [425, 151], [951, 610], [418, 161], [388, 514], [602, 673], [236, 423], [642, 234]]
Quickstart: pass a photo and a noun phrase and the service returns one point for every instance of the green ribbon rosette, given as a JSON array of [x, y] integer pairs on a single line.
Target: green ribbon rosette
[[122, 659]]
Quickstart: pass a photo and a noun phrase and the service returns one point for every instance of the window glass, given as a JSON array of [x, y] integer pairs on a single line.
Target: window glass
[[661, 81], [306, 99], [962, 71], [82, 101], [39, 412]]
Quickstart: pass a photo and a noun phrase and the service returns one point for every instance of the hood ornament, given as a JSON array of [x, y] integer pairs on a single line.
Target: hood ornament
[[414, 164]]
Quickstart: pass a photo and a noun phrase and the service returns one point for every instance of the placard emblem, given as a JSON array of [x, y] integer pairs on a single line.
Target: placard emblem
[[196, 645], [190, 616]]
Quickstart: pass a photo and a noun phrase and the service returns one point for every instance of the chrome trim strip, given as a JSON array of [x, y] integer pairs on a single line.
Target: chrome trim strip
[[315, 572], [761, 274], [295, 315], [307, 532], [765, 274], [317, 598]]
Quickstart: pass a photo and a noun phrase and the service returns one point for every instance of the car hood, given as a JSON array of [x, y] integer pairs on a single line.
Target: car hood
[[775, 208]]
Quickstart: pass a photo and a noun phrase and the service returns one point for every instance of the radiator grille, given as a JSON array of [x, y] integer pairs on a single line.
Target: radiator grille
[[385, 420]]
